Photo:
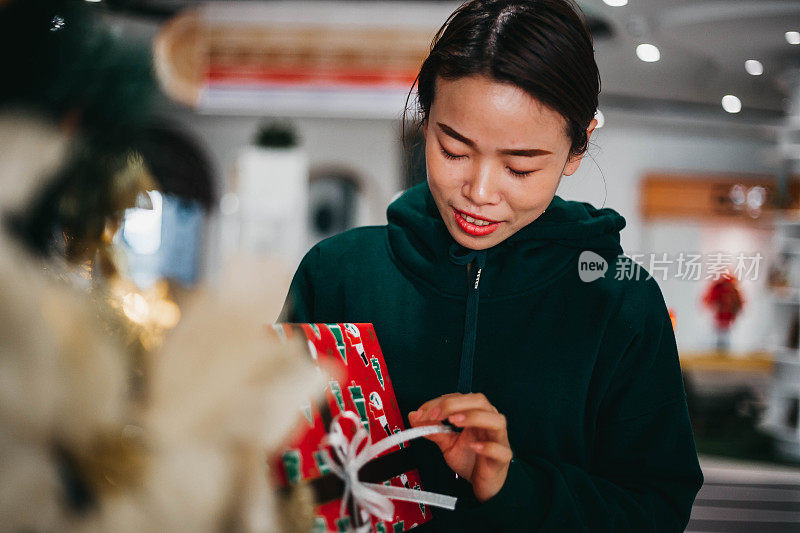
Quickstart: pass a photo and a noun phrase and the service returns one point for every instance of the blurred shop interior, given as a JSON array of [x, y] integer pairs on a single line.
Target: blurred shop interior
[[275, 124]]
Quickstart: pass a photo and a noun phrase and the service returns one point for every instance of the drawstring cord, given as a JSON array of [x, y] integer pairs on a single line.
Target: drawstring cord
[[478, 258]]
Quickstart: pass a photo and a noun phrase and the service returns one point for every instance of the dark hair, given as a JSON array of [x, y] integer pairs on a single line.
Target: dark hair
[[541, 46]]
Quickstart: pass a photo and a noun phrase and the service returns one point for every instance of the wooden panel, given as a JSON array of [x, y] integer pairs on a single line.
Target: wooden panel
[[707, 196], [756, 362]]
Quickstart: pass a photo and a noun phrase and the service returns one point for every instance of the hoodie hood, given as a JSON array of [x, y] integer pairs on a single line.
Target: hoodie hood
[[532, 257]]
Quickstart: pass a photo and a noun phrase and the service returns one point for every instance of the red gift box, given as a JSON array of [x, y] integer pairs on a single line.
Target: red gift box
[[366, 390]]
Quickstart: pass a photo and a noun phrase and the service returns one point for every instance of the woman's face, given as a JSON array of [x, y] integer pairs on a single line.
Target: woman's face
[[495, 157]]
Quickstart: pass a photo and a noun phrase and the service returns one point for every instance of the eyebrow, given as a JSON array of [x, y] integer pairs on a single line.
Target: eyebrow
[[525, 152]]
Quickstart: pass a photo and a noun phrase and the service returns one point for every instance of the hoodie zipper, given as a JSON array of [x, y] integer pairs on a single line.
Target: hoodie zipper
[[470, 326]]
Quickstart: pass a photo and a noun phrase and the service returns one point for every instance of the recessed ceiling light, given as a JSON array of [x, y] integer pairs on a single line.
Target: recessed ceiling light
[[601, 119], [93, 0], [731, 104], [754, 67], [648, 53], [793, 37], [616, 3]]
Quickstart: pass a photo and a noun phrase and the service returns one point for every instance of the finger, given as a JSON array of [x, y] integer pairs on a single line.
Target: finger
[[415, 420], [443, 440], [443, 406], [493, 450], [465, 402], [430, 404], [494, 423]]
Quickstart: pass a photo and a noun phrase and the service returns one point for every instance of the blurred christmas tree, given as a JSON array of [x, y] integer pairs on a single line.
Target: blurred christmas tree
[[61, 63]]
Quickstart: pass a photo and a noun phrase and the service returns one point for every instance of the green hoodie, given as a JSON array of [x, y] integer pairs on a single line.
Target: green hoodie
[[586, 372]]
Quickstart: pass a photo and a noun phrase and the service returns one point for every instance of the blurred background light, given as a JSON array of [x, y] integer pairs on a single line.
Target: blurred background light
[[648, 53], [754, 67], [141, 228], [135, 307], [731, 104]]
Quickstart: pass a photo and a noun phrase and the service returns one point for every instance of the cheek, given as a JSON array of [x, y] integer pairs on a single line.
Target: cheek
[[441, 174], [528, 199]]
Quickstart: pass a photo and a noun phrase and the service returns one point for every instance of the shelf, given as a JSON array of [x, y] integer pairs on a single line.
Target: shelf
[[786, 360], [756, 362]]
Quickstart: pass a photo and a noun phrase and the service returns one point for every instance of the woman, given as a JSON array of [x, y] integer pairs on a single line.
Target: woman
[[480, 287]]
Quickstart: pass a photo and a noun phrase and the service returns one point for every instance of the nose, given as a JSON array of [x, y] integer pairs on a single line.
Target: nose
[[481, 187]]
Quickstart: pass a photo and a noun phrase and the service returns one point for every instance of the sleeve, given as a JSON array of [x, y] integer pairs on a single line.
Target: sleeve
[[299, 303], [645, 472]]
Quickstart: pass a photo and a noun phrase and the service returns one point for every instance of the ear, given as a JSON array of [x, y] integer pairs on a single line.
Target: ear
[[425, 129], [575, 161]]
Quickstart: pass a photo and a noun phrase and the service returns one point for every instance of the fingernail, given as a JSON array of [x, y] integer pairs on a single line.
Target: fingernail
[[457, 418], [477, 446]]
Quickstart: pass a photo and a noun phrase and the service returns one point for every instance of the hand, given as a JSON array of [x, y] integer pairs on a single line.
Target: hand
[[481, 452]]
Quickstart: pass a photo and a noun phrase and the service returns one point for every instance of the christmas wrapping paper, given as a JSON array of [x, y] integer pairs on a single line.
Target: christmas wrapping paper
[[366, 390]]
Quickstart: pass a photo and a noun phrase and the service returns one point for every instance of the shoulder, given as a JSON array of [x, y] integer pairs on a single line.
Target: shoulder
[[637, 293], [641, 287], [327, 269], [355, 246], [355, 240]]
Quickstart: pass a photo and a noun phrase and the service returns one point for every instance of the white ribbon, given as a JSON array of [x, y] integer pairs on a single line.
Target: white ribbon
[[376, 498]]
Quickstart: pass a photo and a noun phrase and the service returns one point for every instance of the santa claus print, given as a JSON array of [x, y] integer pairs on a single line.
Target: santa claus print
[[376, 407], [355, 339]]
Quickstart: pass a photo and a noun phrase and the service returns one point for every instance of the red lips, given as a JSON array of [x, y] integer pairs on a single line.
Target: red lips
[[474, 229]]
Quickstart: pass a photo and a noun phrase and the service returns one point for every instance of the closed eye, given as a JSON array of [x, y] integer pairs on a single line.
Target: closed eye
[[448, 155], [521, 173]]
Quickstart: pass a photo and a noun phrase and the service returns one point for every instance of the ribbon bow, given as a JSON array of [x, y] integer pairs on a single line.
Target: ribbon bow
[[374, 497]]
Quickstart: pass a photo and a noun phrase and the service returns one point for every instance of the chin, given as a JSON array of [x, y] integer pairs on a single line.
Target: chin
[[475, 243]]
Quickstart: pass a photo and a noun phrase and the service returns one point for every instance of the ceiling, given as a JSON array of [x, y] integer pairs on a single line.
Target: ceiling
[[703, 46]]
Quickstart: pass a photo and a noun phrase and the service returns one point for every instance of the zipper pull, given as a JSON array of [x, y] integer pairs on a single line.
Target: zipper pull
[[478, 279]]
